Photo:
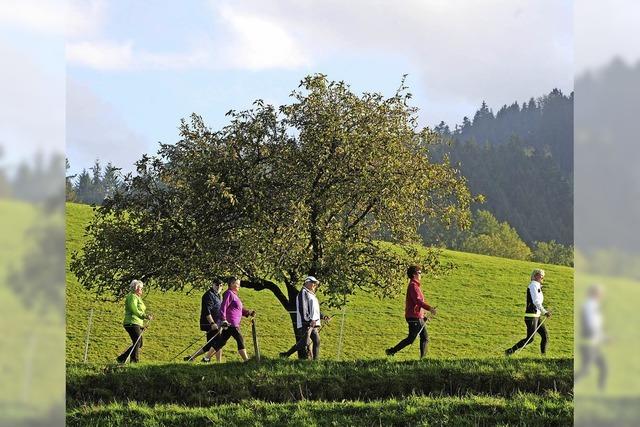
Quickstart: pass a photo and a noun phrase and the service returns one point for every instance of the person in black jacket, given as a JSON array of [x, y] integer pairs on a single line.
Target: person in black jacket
[[209, 318]]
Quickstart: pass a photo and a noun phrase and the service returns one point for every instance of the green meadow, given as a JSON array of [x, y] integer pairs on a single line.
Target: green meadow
[[480, 306], [31, 345], [465, 380]]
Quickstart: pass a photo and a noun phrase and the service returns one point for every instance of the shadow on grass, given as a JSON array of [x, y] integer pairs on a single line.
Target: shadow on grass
[[292, 381]]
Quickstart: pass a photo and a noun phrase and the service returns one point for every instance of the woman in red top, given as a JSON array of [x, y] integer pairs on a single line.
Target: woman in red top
[[413, 313]]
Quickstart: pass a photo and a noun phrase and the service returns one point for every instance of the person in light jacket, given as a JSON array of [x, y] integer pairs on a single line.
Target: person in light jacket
[[308, 318], [533, 310], [134, 316]]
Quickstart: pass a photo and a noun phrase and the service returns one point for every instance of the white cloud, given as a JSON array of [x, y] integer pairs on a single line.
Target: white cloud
[[95, 130], [111, 56], [463, 51], [258, 43], [101, 55], [605, 29], [32, 107], [250, 42], [54, 17]]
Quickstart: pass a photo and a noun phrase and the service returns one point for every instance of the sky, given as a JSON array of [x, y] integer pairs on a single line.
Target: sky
[[111, 78]]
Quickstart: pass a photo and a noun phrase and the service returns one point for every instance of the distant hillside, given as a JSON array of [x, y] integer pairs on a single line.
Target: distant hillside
[[521, 159], [607, 152]]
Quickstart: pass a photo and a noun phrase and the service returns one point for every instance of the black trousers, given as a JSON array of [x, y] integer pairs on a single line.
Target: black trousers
[[592, 354], [301, 345], [134, 332], [210, 339], [532, 324], [303, 342], [416, 326], [224, 336]]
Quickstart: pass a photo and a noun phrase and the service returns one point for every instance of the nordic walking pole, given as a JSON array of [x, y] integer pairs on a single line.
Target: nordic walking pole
[[133, 347], [426, 319], [185, 349], [531, 337], [220, 329]]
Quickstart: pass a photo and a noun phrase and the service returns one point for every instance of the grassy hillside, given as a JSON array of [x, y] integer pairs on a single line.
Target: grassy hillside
[[31, 356], [619, 403], [619, 306], [480, 314]]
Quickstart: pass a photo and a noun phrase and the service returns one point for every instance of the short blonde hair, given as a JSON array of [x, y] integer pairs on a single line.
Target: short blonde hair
[[537, 271], [136, 284]]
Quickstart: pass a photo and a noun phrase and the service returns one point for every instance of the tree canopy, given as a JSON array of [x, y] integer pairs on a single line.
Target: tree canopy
[[320, 186]]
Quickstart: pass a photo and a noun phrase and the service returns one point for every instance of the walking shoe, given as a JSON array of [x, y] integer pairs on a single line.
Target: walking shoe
[[187, 359], [205, 360], [508, 352], [388, 352]]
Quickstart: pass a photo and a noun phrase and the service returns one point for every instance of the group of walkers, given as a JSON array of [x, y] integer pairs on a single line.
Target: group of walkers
[[220, 318]]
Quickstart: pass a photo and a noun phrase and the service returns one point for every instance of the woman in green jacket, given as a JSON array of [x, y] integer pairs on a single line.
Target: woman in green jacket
[[134, 315]]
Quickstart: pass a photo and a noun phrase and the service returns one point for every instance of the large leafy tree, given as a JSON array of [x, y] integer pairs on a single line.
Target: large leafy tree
[[319, 186]]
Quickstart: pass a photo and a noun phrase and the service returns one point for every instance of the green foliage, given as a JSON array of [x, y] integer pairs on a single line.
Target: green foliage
[[480, 306], [488, 236], [69, 191], [277, 194], [419, 411], [283, 381], [553, 253]]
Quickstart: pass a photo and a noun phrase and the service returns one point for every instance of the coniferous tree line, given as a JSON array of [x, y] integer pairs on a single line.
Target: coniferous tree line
[[36, 181], [521, 160], [93, 186]]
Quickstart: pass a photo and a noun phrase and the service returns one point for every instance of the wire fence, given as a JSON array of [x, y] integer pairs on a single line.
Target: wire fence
[[103, 331]]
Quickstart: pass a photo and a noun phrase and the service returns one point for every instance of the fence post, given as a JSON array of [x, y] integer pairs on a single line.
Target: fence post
[[344, 310], [86, 342], [254, 334]]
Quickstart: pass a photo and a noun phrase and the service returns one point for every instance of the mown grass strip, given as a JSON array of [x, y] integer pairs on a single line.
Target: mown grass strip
[[282, 381], [523, 409], [607, 410]]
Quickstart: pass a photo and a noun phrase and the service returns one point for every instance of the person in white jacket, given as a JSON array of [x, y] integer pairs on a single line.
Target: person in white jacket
[[308, 318], [534, 309]]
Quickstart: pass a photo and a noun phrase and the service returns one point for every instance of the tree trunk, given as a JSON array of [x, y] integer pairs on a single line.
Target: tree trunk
[[287, 301]]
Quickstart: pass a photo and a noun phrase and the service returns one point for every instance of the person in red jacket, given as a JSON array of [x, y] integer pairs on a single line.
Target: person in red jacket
[[414, 308]]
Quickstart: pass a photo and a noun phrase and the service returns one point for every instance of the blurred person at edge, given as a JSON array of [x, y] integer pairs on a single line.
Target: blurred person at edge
[[592, 337]]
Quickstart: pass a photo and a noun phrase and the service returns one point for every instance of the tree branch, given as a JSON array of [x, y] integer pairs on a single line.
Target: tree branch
[[262, 284]]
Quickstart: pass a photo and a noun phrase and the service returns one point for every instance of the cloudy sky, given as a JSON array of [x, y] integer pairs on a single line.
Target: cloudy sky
[[132, 70]]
